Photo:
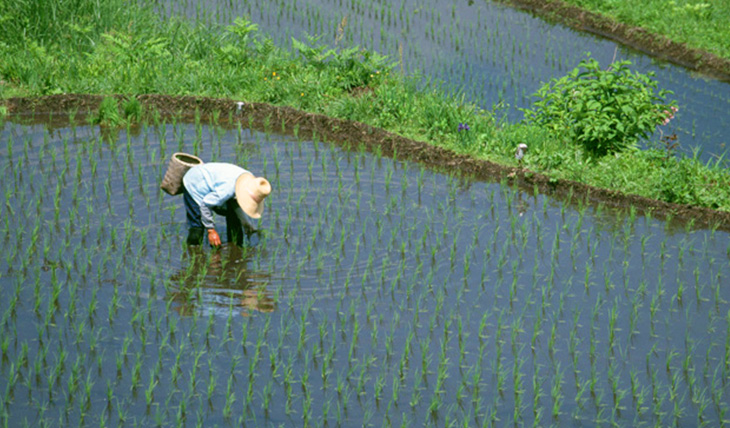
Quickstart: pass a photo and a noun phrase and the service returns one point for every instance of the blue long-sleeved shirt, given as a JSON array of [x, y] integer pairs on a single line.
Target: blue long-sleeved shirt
[[212, 185]]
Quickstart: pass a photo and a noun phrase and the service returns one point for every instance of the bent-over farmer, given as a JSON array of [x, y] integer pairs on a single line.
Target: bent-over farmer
[[225, 189]]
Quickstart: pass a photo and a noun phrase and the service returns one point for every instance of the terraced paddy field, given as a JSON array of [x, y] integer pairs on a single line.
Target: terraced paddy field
[[380, 292]]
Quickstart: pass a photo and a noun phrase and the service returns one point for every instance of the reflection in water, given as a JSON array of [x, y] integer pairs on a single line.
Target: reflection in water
[[219, 280], [521, 204]]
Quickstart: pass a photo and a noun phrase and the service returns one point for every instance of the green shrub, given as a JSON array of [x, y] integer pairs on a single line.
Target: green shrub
[[237, 51], [135, 59], [355, 67], [604, 111]]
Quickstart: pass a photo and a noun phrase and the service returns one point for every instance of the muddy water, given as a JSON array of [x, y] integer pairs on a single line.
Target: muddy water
[[380, 292], [490, 52]]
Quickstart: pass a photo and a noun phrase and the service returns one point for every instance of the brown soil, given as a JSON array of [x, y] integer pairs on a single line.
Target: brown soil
[[352, 134], [636, 37]]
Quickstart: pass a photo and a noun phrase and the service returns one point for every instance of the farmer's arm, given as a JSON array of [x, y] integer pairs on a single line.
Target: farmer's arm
[[206, 216], [245, 221], [212, 199]]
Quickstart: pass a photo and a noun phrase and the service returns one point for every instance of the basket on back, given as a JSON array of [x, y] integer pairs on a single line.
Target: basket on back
[[179, 164]]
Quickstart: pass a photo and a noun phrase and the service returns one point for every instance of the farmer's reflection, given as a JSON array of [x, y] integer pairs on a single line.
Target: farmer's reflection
[[218, 280], [521, 204]]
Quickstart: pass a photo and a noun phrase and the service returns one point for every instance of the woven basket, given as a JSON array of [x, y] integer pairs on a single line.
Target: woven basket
[[179, 164]]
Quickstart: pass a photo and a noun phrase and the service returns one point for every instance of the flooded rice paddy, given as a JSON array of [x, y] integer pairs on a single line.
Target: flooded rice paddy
[[493, 54], [379, 293]]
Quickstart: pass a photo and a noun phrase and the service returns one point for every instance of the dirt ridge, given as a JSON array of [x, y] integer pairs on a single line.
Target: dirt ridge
[[351, 134], [638, 38]]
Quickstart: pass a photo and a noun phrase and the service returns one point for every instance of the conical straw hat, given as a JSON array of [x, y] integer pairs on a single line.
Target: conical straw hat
[[251, 192]]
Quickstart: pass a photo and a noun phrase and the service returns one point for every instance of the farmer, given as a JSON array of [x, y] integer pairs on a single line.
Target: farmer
[[225, 189]]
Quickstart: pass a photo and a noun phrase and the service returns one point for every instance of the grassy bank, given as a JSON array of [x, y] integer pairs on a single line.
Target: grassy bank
[[113, 48], [699, 24]]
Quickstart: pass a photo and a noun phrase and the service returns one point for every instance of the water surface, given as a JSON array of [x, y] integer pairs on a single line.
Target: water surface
[[381, 293]]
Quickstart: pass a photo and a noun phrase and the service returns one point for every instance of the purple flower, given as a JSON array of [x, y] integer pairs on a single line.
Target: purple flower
[[463, 127]]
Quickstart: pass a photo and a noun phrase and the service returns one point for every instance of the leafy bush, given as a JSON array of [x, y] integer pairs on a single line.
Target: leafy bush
[[238, 52], [355, 67], [136, 59], [603, 110]]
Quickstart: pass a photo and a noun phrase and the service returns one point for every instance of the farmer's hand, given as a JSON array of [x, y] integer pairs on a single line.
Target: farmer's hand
[[213, 238]]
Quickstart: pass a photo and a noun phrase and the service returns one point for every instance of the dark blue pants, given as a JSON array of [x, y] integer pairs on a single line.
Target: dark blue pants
[[234, 229]]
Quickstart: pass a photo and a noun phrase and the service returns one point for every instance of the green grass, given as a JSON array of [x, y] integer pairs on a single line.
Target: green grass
[[132, 51], [698, 24]]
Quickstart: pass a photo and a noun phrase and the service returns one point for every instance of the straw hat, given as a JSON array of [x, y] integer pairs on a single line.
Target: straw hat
[[251, 192]]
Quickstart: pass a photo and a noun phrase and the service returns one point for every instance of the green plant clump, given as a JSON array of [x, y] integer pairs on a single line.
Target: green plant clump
[[604, 111], [107, 114]]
